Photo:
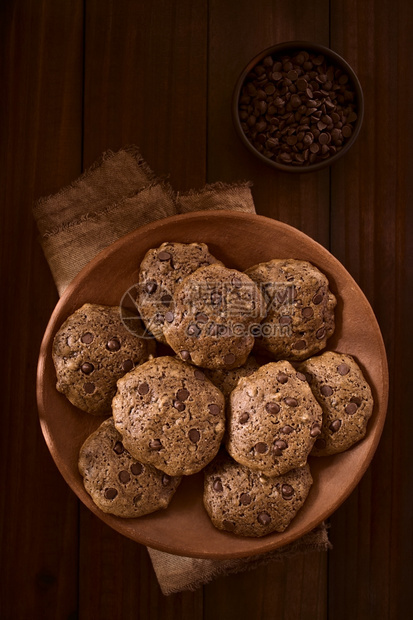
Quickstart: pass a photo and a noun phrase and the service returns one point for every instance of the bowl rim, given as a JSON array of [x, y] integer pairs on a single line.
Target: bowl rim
[[293, 46], [121, 525]]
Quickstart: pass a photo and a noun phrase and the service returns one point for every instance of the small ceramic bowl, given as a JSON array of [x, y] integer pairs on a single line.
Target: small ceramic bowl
[[272, 102]]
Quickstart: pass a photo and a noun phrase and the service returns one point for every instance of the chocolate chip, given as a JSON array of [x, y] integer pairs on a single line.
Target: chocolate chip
[[287, 491], [264, 518], [229, 359], [228, 525], [317, 299], [301, 376], [282, 377], [179, 405], [320, 333], [193, 330], [201, 317], [217, 485], [261, 447], [198, 374], [335, 426], [111, 493], [150, 287], [272, 408], [127, 365], [166, 300], [291, 402], [166, 480], [287, 429], [113, 345], [326, 390], [276, 451], [87, 338], [194, 435], [182, 394], [245, 499], [163, 256], [320, 444], [185, 355], [299, 345], [315, 430], [244, 417], [118, 447], [143, 388], [343, 369], [281, 444], [285, 320], [87, 368], [351, 408], [155, 444], [169, 317], [307, 313], [214, 409], [357, 400], [124, 476], [89, 388], [136, 469]]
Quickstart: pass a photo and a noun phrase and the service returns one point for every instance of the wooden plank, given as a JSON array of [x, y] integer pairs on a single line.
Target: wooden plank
[[41, 107], [239, 31], [295, 588], [145, 83], [372, 234]]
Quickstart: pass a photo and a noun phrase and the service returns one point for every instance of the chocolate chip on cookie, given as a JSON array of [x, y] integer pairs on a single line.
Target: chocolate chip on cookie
[[117, 483], [170, 416]]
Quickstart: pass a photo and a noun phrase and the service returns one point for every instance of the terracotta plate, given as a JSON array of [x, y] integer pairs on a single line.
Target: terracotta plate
[[239, 240]]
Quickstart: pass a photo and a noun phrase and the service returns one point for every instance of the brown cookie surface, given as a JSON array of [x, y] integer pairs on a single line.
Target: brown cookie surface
[[170, 415], [300, 308], [215, 309], [92, 350], [160, 272], [227, 380], [273, 420], [338, 384], [118, 483], [248, 503]]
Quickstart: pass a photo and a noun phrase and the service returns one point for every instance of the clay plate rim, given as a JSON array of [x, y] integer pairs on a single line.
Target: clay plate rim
[[194, 534]]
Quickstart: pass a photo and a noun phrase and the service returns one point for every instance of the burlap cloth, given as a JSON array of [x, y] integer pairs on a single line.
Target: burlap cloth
[[116, 195]]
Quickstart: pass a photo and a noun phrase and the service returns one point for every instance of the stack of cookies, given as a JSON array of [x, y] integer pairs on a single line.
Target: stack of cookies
[[222, 371]]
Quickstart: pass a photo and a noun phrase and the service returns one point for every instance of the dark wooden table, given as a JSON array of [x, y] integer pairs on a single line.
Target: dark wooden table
[[81, 76]]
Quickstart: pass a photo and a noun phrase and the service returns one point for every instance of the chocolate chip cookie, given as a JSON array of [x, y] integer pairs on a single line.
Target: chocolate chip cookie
[[170, 415], [339, 386], [215, 309], [226, 380], [161, 270], [118, 483], [273, 420], [249, 503], [300, 308], [92, 350]]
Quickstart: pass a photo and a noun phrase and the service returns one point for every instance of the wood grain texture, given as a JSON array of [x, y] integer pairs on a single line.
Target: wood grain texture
[[372, 235], [237, 32], [160, 74], [145, 83], [41, 62]]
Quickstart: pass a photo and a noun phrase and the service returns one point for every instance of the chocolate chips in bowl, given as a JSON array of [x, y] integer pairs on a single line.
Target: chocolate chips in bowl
[[298, 106]]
